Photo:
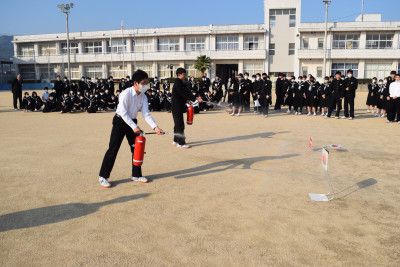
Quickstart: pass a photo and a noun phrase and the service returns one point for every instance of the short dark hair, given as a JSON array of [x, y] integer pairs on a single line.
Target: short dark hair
[[139, 76], [46, 88], [393, 72], [398, 74], [264, 74], [246, 73], [258, 74], [350, 71], [338, 72], [180, 71]]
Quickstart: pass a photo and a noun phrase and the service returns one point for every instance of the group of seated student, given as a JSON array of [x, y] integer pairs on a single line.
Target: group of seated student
[[72, 101]]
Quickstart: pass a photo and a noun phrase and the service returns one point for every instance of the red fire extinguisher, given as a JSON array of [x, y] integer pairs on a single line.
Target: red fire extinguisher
[[190, 115], [138, 155]]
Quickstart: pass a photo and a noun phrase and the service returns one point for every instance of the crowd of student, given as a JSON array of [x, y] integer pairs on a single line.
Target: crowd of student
[[304, 94]]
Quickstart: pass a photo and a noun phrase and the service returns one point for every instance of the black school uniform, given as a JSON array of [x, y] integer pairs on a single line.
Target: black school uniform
[[311, 95], [65, 104], [237, 96], [27, 103], [37, 103], [299, 96], [265, 90], [372, 99], [383, 93], [92, 108], [325, 92], [289, 101], [338, 88], [50, 105], [166, 87]]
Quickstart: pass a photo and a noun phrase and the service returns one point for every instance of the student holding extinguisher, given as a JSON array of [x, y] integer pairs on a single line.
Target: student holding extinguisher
[[131, 101], [180, 97]]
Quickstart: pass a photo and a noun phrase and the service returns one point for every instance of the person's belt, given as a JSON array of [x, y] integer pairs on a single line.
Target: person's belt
[[119, 116]]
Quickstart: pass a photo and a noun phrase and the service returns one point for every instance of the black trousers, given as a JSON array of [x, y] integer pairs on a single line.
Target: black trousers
[[349, 101], [119, 130], [264, 102], [179, 127], [393, 109], [335, 101], [279, 101], [19, 97]]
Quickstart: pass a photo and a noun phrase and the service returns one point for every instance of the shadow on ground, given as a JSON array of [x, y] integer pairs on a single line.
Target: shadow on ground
[[55, 214]]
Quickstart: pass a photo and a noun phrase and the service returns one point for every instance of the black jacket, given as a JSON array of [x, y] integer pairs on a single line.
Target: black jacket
[[180, 94], [338, 88], [16, 86], [352, 84]]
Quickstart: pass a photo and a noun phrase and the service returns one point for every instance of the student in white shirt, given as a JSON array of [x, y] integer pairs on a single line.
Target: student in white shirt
[[394, 101], [131, 101]]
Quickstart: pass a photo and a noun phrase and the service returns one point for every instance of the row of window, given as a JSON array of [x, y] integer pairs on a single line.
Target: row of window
[[352, 41], [146, 45], [276, 12], [292, 49]]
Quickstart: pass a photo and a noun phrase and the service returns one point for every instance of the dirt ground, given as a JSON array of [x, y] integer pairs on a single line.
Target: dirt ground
[[239, 197]]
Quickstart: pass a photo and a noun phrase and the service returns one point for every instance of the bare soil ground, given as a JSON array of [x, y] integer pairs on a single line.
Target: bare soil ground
[[239, 197]]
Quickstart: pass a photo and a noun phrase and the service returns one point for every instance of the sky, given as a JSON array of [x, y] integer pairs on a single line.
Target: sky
[[21, 17]]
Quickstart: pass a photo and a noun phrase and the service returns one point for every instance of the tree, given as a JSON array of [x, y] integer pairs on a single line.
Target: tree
[[202, 63]]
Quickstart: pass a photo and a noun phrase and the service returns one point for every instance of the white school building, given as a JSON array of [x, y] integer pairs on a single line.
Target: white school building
[[282, 44]]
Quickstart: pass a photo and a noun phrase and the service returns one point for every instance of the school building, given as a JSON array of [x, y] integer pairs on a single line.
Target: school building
[[282, 44]]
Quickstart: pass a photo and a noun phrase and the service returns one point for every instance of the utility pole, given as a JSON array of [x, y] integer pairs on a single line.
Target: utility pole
[[362, 11], [66, 10], [326, 2]]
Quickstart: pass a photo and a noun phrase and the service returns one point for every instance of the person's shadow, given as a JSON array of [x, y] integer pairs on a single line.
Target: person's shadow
[[219, 166], [55, 214], [235, 138]]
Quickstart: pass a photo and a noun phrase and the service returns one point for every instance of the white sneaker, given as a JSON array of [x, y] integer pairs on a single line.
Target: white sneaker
[[266, 116], [174, 143], [309, 113], [315, 114], [183, 146], [295, 113], [104, 182], [233, 114], [351, 118], [142, 180], [388, 121], [288, 111], [238, 114], [344, 117], [323, 115], [382, 116], [368, 111], [336, 117], [326, 117]]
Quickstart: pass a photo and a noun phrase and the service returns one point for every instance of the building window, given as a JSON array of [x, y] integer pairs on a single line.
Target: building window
[[319, 72], [379, 41], [379, 70], [291, 49], [344, 67], [320, 43], [276, 74], [146, 67], [116, 46], [167, 70], [292, 21], [168, 44], [346, 41], [272, 22], [195, 43], [304, 71], [93, 47], [271, 49], [227, 42], [73, 48], [94, 72], [305, 43], [47, 49], [27, 72], [191, 71], [253, 67], [253, 42], [75, 73], [118, 71], [143, 45], [47, 72], [25, 50]]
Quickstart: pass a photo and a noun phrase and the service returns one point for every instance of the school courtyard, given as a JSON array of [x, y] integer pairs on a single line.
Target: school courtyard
[[239, 197]]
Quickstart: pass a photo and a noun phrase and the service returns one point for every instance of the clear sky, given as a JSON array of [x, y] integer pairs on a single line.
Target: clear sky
[[43, 16]]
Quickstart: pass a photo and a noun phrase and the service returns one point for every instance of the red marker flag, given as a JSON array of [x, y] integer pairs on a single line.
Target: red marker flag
[[122, 24], [310, 142]]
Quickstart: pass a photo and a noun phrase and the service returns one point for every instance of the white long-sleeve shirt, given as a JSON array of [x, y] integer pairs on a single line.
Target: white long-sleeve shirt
[[394, 89], [130, 103]]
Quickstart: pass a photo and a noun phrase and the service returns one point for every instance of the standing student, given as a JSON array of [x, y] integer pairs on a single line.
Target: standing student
[[238, 86], [350, 95], [264, 95], [246, 92], [255, 92], [383, 93], [132, 100], [394, 100], [16, 88], [228, 87], [59, 87], [278, 92], [311, 95], [299, 94], [289, 101], [82, 86], [372, 96], [338, 87], [325, 91], [180, 97]]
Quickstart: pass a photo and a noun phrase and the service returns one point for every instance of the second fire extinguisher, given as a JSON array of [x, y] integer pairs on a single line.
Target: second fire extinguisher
[[190, 115], [138, 155]]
